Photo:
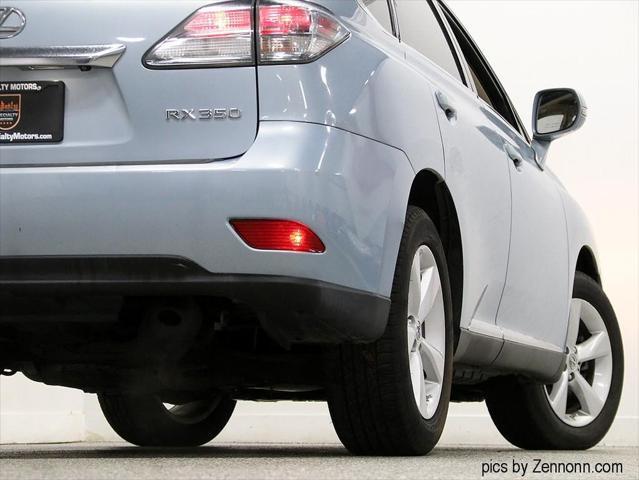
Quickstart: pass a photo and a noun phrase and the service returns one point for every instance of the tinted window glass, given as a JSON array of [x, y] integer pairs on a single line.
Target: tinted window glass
[[379, 9], [488, 87], [480, 87], [421, 30]]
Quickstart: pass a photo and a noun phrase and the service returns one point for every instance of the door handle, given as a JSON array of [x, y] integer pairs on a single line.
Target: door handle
[[446, 106], [514, 155]]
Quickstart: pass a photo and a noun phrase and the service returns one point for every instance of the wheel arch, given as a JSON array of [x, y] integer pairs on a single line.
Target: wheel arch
[[430, 193], [581, 241], [587, 264]]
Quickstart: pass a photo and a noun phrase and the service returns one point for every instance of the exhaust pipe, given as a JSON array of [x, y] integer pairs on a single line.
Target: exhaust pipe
[[169, 328]]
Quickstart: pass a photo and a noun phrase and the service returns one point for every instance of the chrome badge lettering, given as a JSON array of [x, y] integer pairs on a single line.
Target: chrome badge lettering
[[192, 114]]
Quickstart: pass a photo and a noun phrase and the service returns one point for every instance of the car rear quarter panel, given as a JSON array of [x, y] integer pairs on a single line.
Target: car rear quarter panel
[[364, 86]]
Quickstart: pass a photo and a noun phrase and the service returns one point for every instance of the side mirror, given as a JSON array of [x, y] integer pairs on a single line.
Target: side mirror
[[556, 113]]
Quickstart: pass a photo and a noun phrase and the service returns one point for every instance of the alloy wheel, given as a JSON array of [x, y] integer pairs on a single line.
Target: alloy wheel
[[426, 332], [192, 412], [579, 395]]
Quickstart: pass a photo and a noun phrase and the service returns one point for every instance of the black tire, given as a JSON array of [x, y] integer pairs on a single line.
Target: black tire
[[146, 422], [521, 410], [370, 394]]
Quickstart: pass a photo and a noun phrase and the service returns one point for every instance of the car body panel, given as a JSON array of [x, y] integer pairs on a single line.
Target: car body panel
[[477, 177], [580, 235], [335, 143], [476, 170], [534, 301], [350, 190], [367, 101], [118, 115]]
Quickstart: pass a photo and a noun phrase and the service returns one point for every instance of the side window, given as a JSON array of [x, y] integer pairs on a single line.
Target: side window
[[379, 9], [488, 87], [420, 28]]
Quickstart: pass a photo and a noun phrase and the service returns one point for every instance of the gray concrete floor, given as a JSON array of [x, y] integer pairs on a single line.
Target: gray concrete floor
[[278, 461]]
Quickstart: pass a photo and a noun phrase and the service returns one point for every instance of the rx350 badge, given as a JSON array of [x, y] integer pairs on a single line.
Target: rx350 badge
[[185, 114], [9, 111]]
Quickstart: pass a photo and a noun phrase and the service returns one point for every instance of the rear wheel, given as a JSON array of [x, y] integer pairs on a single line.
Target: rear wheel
[[148, 422], [575, 412], [391, 397]]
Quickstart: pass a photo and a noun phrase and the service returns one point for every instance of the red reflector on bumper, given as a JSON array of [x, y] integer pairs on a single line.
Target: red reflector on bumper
[[281, 235]]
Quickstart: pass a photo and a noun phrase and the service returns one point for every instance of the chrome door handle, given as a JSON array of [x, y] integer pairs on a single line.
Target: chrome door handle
[[514, 155], [33, 58], [445, 104]]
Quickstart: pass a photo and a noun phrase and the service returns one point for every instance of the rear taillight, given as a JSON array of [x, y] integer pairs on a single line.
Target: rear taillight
[[296, 32], [214, 36], [290, 31]]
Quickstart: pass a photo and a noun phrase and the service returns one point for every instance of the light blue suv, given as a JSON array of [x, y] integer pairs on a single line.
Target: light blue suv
[[205, 201]]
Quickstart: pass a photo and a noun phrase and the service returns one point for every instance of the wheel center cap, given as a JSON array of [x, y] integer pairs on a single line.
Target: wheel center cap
[[573, 363]]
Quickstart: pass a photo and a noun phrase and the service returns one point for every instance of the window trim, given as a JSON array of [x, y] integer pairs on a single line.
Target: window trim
[[449, 17], [395, 22], [391, 13], [450, 40]]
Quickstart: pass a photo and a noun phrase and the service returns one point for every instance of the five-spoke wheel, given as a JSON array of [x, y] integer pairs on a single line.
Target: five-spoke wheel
[[426, 331], [391, 397], [577, 410], [580, 393]]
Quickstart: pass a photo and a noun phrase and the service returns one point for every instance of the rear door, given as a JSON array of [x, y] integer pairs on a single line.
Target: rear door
[[476, 166], [120, 113], [533, 307]]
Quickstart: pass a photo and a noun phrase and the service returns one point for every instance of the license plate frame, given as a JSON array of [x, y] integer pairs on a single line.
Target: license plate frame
[[32, 112]]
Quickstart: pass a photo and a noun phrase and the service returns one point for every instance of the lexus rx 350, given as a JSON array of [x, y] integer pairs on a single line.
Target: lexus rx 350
[[205, 201]]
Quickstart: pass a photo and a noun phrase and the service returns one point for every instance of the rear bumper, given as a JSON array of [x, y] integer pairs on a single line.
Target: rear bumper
[[350, 190], [292, 310]]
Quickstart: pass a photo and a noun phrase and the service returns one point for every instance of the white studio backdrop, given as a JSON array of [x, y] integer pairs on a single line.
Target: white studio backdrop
[[532, 44]]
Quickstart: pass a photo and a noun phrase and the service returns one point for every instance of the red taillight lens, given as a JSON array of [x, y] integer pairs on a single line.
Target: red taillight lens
[[284, 20], [214, 36], [280, 235], [222, 35], [220, 23], [291, 31]]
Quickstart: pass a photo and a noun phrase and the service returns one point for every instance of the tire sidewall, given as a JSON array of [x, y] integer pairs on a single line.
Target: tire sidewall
[[420, 231], [145, 421], [560, 433]]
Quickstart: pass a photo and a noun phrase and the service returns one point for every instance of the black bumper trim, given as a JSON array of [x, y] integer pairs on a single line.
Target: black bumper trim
[[292, 309]]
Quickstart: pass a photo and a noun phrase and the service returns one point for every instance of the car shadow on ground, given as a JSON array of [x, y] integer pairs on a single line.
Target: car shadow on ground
[[297, 451]]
